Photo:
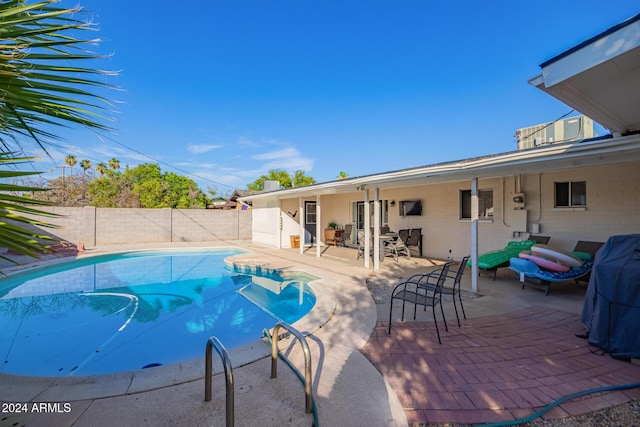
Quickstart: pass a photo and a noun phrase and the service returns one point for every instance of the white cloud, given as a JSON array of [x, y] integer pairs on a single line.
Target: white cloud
[[202, 148], [289, 159]]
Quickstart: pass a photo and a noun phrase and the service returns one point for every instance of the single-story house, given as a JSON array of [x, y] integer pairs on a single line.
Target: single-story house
[[233, 203], [581, 190]]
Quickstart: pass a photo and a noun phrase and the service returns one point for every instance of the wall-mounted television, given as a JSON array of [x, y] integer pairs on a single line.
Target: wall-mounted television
[[410, 207]]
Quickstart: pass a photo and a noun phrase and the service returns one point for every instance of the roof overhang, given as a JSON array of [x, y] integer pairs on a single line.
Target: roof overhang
[[600, 77], [597, 152]]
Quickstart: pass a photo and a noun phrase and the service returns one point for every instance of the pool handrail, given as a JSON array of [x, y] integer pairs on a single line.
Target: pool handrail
[[307, 360], [228, 374]]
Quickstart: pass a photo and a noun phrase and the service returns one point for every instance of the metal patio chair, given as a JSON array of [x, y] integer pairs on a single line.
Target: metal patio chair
[[425, 294], [454, 278]]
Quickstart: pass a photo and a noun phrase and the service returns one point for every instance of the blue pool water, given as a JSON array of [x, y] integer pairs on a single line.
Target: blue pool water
[[128, 311]]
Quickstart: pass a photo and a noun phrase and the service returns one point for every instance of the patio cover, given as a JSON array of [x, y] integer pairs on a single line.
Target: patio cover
[[611, 310]]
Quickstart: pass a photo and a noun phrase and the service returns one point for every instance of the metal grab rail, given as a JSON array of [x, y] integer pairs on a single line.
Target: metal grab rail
[[307, 361], [228, 374]]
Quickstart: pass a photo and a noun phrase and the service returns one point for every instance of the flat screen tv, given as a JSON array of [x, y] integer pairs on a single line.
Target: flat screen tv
[[410, 207]]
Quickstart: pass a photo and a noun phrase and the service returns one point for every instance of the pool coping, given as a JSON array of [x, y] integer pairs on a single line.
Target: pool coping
[[25, 388]]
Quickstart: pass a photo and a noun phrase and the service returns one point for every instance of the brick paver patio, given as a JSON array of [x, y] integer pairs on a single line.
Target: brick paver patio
[[497, 368]]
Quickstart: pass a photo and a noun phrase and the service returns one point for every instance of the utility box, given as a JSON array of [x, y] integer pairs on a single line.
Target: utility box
[[518, 201], [519, 220]]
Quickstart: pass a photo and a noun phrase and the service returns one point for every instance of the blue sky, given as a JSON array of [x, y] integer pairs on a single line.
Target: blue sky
[[227, 90]]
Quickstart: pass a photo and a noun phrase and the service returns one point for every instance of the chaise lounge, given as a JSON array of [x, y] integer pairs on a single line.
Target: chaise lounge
[[492, 261], [532, 275]]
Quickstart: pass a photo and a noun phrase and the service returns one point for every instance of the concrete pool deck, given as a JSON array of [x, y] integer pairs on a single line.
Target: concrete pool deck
[[416, 384]]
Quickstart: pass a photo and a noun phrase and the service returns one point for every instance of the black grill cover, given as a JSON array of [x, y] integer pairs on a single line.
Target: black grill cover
[[611, 311]]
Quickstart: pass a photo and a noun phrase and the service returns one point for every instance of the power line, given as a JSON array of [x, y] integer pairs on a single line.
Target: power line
[[548, 124], [142, 154], [173, 167]]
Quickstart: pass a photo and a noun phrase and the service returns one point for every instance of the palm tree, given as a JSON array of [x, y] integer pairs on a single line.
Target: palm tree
[[12, 205], [41, 88], [114, 164], [71, 161], [85, 165], [101, 168]]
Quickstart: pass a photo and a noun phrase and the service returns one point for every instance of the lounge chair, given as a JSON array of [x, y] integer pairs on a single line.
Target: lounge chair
[[540, 239], [492, 261], [533, 276], [583, 248]]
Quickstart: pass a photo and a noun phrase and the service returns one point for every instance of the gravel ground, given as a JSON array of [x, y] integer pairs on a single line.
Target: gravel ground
[[382, 286], [623, 415]]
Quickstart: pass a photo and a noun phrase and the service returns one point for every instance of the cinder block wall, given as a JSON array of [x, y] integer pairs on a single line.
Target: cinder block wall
[[94, 226]]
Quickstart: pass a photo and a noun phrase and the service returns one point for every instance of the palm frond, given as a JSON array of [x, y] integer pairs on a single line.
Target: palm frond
[[36, 92], [18, 232]]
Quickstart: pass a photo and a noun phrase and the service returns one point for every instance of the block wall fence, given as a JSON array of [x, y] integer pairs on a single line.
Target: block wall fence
[[95, 226]]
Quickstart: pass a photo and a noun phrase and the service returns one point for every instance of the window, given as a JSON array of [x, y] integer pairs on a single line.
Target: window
[[570, 194], [310, 213], [357, 213], [485, 204]]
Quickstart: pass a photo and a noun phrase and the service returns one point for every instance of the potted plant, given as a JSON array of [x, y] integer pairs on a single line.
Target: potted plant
[[333, 225]]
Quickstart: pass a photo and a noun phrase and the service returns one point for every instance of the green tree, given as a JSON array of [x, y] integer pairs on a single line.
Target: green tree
[[85, 165], [41, 88], [101, 168], [342, 175], [299, 179], [112, 191], [114, 164], [146, 186]]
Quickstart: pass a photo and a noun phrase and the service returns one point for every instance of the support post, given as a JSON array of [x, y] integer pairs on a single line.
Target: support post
[[376, 229], [318, 226], [474, 234], [301, 224], [367, 229]]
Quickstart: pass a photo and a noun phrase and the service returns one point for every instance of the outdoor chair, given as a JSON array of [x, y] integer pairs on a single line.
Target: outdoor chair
[[453, 289], [346, 235], [426, 294], [415, 239], [396, 248], [361, 244], [404, 235]]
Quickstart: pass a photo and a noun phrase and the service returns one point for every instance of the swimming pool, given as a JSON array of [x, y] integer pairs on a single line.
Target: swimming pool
[[127, 311]]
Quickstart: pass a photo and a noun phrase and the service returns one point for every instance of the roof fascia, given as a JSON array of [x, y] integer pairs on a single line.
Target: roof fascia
[[546, 158], [614, 42]]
